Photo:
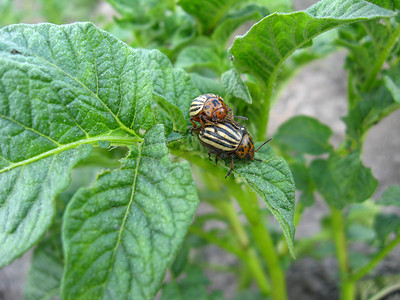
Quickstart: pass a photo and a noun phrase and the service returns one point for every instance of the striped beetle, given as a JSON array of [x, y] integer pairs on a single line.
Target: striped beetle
[[210, 108], [228, 138]]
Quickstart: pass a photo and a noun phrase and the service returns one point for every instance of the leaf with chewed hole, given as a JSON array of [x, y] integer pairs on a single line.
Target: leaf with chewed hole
[[122, 234]]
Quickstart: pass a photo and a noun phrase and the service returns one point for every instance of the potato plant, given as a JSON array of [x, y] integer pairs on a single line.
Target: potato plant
[[96, 167]]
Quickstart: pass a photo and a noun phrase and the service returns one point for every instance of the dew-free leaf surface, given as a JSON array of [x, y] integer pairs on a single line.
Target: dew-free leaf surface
[[62, 88], [263, 49], [127, 228]]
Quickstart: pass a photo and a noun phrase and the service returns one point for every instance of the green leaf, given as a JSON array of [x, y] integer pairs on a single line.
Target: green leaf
[[174, 85], [263, 49], [193, 57], [276, 5], [235, 86], [62, 88], [207, 85], [343, 180], [302, 178], [391, 196], [173, 88], [122, 234], [140, 11], [272, 180], [44, 277], [232, 21], [372, 108], [207, 12], [385, 224], [305, 135], [174, 113], [393, 88], [193, 286], [388, 4]]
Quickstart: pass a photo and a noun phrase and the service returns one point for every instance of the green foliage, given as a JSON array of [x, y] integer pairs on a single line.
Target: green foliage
[[391, 196], [331, 179], [71, 94], [305, 135], [193, 286], [128, 226], [285, 33]]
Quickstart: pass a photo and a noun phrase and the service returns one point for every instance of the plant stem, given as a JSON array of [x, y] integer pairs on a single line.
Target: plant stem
[[251, 257], [386, 291], [381, 60], [249, 204], [377, 258], [347, 287]]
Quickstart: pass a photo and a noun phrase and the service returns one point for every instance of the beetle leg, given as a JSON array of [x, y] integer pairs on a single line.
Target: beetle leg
[[202, 121], [209, 155], [193, 123], [215, 127], [232, 167]]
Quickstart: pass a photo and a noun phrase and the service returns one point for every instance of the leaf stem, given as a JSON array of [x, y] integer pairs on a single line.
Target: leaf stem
[[374, 261], [212, 238], [249, 203], [114, 140], [386, 291], [252, 260], [381, 60], [347, 288]]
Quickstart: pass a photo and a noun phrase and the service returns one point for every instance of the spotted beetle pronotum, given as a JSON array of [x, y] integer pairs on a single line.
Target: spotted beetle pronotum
[[210, 108], [228, 138]]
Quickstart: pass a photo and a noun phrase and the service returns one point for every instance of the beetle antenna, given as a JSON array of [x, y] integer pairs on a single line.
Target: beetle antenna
[[240, 117], [263, 144]]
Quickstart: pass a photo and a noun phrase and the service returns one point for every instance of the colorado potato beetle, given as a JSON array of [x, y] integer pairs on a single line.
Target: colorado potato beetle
[[228, 138], [209, 108]]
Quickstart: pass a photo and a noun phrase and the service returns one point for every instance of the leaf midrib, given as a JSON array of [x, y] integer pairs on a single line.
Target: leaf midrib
[[121, 228], [114, 140]]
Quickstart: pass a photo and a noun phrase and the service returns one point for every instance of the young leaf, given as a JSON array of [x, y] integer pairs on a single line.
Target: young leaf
[[372, 108], [62, 88], [343, 180], [193, 57], [391, 196], [385, 224], [122, 234], [231, 22], [263, 49], [207, 12], [235, 86], [174, 85], [305, 135], [393, 88], [207, 85], [175, 114]]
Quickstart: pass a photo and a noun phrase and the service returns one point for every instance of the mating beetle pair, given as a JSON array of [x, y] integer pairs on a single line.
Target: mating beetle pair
[[219, 132]]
